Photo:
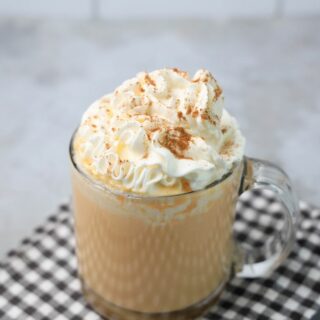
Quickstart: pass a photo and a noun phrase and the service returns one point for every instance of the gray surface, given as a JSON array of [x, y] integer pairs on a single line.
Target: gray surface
[[51, 71]]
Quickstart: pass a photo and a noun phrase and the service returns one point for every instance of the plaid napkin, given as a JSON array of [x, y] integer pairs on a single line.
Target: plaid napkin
[[38, 280]]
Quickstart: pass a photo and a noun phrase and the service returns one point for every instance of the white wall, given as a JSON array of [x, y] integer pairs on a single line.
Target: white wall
[[150, 9]]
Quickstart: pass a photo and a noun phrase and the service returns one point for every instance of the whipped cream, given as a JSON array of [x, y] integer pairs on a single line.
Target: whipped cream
[[159, 133]]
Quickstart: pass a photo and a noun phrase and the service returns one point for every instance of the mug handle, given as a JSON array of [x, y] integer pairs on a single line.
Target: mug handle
[[262, 174]]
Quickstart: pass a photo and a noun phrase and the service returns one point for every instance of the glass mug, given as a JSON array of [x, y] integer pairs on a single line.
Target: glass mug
[[156, 257]]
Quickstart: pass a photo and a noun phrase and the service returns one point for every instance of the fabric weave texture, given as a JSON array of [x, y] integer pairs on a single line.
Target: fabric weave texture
[[38, 280]]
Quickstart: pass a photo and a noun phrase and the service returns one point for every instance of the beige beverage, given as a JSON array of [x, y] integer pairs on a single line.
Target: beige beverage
[[158, 254], [157, 167]]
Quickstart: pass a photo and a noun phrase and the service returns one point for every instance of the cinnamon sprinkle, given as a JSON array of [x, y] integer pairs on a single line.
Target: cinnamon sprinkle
[[138, 89], [184, 74], [206, 77], [227, 148], [176, 140], [180, 115], [211, 118], [149, 80], [189, 109], [185, 185], [195, 113], [217, 92], [149, 131], [204, 116]]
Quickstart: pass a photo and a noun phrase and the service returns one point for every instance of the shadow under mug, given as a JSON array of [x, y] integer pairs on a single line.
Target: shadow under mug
[[169, 257]]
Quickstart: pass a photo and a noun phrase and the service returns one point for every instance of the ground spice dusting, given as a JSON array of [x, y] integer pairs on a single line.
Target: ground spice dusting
[[226, 149], [185, 185], [184, 74], [217, 92], [148, 80], [177, 140], [204, 116], [205, 79], [150, 131], [195, 113], [180, 115], [189, 109], [138, 89], [133, 101], [211, 118]]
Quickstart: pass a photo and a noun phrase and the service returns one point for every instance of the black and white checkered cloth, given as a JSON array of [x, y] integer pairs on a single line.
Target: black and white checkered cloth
[[39, 280]]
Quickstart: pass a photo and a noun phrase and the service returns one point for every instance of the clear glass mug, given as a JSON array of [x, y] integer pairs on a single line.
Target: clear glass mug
[[170, 257]]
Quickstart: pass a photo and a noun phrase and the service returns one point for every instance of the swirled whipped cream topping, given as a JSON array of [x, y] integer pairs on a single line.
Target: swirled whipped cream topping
[[159, 133]]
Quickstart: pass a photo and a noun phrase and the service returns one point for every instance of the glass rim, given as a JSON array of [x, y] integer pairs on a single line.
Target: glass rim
[[105, 188]]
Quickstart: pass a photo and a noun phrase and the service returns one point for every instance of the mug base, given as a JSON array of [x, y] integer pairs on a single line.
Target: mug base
[[113, 312]]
